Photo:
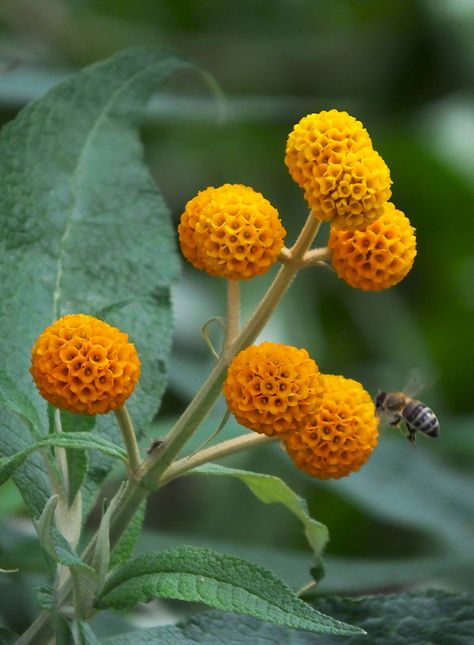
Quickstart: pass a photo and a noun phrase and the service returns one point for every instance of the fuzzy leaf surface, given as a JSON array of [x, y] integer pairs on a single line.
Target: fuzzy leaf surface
[[221, 581], [432, 616], [83, 227]]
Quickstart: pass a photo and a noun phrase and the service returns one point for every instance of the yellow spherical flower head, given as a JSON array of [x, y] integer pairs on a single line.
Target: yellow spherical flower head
[[345, 180], [231, 231], [342, 434], [272, 388], [377, 258], [84, 365]]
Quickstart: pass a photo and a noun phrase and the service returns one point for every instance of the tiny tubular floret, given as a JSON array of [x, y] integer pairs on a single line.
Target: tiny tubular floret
[[82, 364]]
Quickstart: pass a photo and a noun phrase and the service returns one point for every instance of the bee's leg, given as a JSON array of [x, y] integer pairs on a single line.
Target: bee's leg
[[395, 421], [411, 436]]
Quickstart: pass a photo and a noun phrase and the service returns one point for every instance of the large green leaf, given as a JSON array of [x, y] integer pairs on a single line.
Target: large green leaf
[[221, 581], [84, 227], [417, 619], [273, 490]]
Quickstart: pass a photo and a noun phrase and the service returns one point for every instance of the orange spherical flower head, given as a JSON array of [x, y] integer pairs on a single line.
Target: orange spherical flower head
[[345, 180], [342, 434], [231, 231], [84, 365], [377, 258], [272, 388]]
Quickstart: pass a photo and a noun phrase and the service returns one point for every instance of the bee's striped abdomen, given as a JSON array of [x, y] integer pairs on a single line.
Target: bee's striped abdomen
[[421, 418]]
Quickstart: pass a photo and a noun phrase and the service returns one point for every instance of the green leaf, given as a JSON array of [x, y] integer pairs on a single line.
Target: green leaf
[[83, 227], [53, 542], [123, 550], [101, 555], [85, 579], [270, 490], [221, 581], [432, 616], [71, 441]]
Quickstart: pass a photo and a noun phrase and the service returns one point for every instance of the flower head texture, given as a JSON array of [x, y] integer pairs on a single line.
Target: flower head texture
[[342, 434], [345, 181], [272, 388], [231, 231], [84, 365], [378, 257]]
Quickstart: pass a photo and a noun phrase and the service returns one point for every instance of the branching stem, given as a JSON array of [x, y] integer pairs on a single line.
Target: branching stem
[[223, 449]]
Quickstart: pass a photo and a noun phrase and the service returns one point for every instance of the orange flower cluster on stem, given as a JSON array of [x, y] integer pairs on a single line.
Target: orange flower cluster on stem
[[327, 423], [84, 365]]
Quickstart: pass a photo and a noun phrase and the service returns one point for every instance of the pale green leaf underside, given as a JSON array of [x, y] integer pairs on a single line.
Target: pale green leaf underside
[[273, 490], [221, 581]]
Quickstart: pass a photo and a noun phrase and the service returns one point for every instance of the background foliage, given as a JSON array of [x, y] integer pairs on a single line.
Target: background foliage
[[406, 69]]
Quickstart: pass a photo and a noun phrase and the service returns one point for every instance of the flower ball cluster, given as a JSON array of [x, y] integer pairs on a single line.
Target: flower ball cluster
[[379, 256], [231, 231], [330, 155], [327, 423], [272, 388], [84, 365], [342, 434]]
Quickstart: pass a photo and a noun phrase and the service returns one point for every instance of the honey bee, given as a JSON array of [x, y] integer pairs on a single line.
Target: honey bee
[[418, 417]]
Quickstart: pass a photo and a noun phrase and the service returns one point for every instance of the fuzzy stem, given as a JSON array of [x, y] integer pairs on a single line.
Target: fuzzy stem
[[130, 439], [222, 449], [316, 256]]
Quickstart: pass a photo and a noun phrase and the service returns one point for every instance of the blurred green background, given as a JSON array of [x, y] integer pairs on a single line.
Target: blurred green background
[[406, 69]]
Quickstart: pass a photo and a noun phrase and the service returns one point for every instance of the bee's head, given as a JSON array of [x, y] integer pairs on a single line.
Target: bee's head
[[380, 400]]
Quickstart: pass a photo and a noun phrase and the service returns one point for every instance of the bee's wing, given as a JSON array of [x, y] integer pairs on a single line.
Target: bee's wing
[[418, 380]]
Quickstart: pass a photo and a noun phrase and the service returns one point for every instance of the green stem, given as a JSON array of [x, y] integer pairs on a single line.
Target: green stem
[[130, 438], [223, 449]]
